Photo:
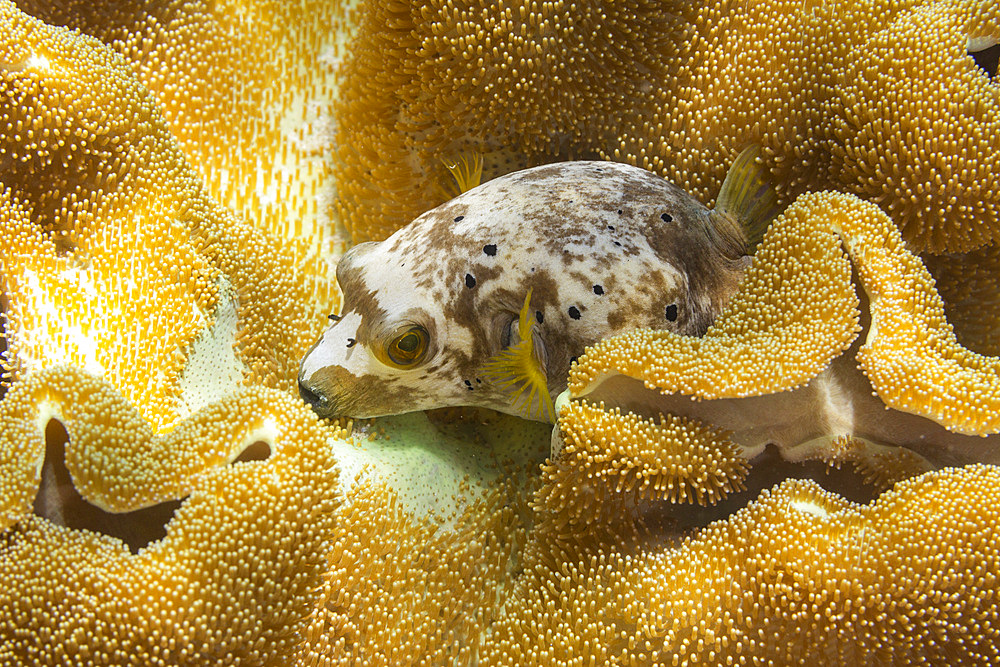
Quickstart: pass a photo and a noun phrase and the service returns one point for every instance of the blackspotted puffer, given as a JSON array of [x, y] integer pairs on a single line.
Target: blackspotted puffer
[[487, 299]]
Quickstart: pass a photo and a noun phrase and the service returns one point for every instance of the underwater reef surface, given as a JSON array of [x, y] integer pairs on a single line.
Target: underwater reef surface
[[813, 480]]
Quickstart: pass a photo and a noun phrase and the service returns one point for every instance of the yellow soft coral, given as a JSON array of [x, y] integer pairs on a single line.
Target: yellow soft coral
[[426, 82], [234, 576], [245, 88], [75, 262], [927, 154], [529, 568], [112, 255], [429, 530], [799, 577], [680, 88], [610, 453], [399, 591], [969, 283], [796, 311]]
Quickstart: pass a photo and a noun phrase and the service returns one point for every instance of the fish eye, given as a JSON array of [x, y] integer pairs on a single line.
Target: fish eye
[[408, 347]]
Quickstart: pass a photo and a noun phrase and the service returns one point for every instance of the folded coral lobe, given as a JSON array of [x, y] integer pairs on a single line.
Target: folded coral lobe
[[238, 568], [800, 576], [917, 125], [794, 313], [113, 256], [132, 307], [781, 364], [96, 265]]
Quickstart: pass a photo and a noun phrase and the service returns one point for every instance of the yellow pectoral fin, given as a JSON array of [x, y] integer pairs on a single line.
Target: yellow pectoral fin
[[518, 369]]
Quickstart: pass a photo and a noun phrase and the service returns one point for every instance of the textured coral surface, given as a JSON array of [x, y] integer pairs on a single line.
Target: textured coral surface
[[875, 97], [235, 573], [177, 180]]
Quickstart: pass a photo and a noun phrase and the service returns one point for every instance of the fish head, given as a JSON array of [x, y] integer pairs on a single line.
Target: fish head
[[394, 348]]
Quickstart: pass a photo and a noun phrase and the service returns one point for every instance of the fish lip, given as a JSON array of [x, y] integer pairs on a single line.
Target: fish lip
[[319, 403]]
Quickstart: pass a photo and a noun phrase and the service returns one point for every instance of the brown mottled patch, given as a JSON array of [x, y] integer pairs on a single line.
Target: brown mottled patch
[[467, 364], [545, 290], [712, 276], [353, 396], [610, 283], [555, 233], [616, 319], [461, 310], [358, 298], [467, 311], [441, 234], [462, 307], [569, 258], [585, 280]]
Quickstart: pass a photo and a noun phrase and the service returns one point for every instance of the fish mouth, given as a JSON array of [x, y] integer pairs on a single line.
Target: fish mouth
[[321, 405], [333, 391]]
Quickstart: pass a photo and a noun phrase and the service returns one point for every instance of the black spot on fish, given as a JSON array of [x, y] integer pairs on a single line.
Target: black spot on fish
[[468, 385], [619, 211], [490, 249], [333, 318], [618, 244], [460, 218], [470, 282], [598, 290], [478, 381], [611, 227], [672, 312], [574, 312], [351, 342], [539, 317], [666, 217]]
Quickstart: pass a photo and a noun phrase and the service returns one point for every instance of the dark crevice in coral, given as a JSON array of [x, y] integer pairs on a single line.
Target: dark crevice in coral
[[768, 471], [59, 502], [987, 59], [970, 304], [257, 451]]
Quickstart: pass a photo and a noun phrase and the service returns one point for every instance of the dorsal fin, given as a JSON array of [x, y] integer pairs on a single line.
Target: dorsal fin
[[466, 170], [747, 197]]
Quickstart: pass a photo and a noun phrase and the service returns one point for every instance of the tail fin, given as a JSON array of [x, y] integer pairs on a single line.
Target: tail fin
[[747, 197]]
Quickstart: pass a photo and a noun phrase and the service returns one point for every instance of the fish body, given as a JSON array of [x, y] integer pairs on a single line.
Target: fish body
[[597, 247]]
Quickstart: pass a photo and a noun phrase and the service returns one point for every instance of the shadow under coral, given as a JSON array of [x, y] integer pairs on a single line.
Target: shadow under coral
[[768, 471], [59, 501], [987, 59]]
